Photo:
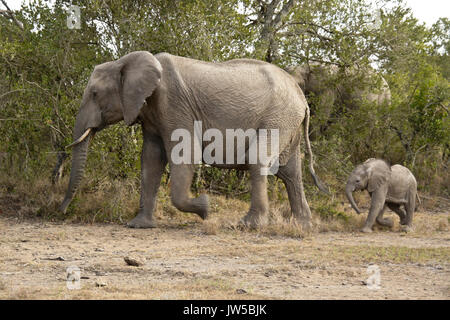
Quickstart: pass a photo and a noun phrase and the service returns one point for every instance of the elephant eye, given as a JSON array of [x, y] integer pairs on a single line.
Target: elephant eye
[[94, 94]]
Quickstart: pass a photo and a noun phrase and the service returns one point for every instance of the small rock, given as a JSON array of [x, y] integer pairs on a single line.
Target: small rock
[[241, 291], [99, 249], [132, 261], [100, 283], [100, 273], [56, 259]]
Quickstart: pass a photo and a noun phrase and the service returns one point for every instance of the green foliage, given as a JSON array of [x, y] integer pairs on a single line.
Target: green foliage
[[328, 210], [428, 114]]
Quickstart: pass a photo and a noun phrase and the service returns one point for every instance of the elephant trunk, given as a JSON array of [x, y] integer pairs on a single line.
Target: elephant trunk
[[77, 170], [349, 193]]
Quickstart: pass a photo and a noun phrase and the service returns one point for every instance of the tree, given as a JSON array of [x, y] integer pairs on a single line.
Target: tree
[[44, 67]]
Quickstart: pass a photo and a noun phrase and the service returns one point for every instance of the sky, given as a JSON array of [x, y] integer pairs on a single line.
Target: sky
[[427, 11]]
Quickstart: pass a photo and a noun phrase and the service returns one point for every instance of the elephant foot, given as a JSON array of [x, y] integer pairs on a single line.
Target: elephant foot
[[366, 230], [305, 223], [407, 229], [386, 222], [253, 221], [141, 221], [202, 203]]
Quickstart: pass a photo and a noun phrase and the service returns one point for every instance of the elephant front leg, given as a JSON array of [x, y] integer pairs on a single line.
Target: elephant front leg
[[259, 206], [376, 206], [153, 162], [181, 179]]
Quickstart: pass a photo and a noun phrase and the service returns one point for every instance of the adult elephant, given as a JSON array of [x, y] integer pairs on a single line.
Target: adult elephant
[[165, 93], [330, 90]]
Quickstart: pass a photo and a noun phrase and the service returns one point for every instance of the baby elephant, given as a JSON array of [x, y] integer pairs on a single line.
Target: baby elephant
[[394, 187]]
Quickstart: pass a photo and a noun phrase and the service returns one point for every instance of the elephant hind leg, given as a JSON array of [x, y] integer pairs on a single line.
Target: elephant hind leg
[[384, 221], [291, 175], [259, 206], [181, 177], [410, 207], [399, 211]]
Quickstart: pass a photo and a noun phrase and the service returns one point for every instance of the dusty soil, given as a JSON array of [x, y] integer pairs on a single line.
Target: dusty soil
[[183, 262]]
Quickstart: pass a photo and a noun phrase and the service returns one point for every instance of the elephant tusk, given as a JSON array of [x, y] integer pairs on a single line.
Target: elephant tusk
[[85, 134]]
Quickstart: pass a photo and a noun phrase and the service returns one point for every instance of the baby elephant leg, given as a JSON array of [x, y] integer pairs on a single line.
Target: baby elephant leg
[[384, 221], [410, 206], [399, 211], [376, 207]]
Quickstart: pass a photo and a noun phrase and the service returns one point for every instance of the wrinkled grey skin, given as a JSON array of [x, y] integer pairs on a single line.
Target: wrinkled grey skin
[[166, 92], [394, 187], [318, 81]]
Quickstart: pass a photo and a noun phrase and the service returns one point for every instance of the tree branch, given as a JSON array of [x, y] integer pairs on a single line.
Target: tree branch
[[316, 60], [10, 13], [283, 12], [403, 140], [293, 23], [271, 22]]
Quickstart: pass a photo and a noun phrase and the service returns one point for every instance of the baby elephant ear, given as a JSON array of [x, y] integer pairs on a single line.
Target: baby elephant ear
[[140, 76], [378, 177]]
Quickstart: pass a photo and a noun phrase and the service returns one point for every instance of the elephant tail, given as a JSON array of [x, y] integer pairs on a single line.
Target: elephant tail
[[316, 179], [419, 202]]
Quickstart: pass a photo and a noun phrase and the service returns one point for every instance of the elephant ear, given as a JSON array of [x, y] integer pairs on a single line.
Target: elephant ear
[[140, 76], [379, 174]]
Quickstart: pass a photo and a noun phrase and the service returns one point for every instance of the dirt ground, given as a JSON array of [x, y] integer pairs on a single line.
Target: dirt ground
[[184, 262]]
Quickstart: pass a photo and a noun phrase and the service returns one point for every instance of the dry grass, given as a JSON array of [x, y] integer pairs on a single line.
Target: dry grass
[[207, 288], [96, 201], [228, 212], [182, 261], [117, 201], [187, 258]]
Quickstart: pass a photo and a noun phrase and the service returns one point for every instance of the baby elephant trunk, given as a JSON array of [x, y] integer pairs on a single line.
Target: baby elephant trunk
[[349, 193]]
